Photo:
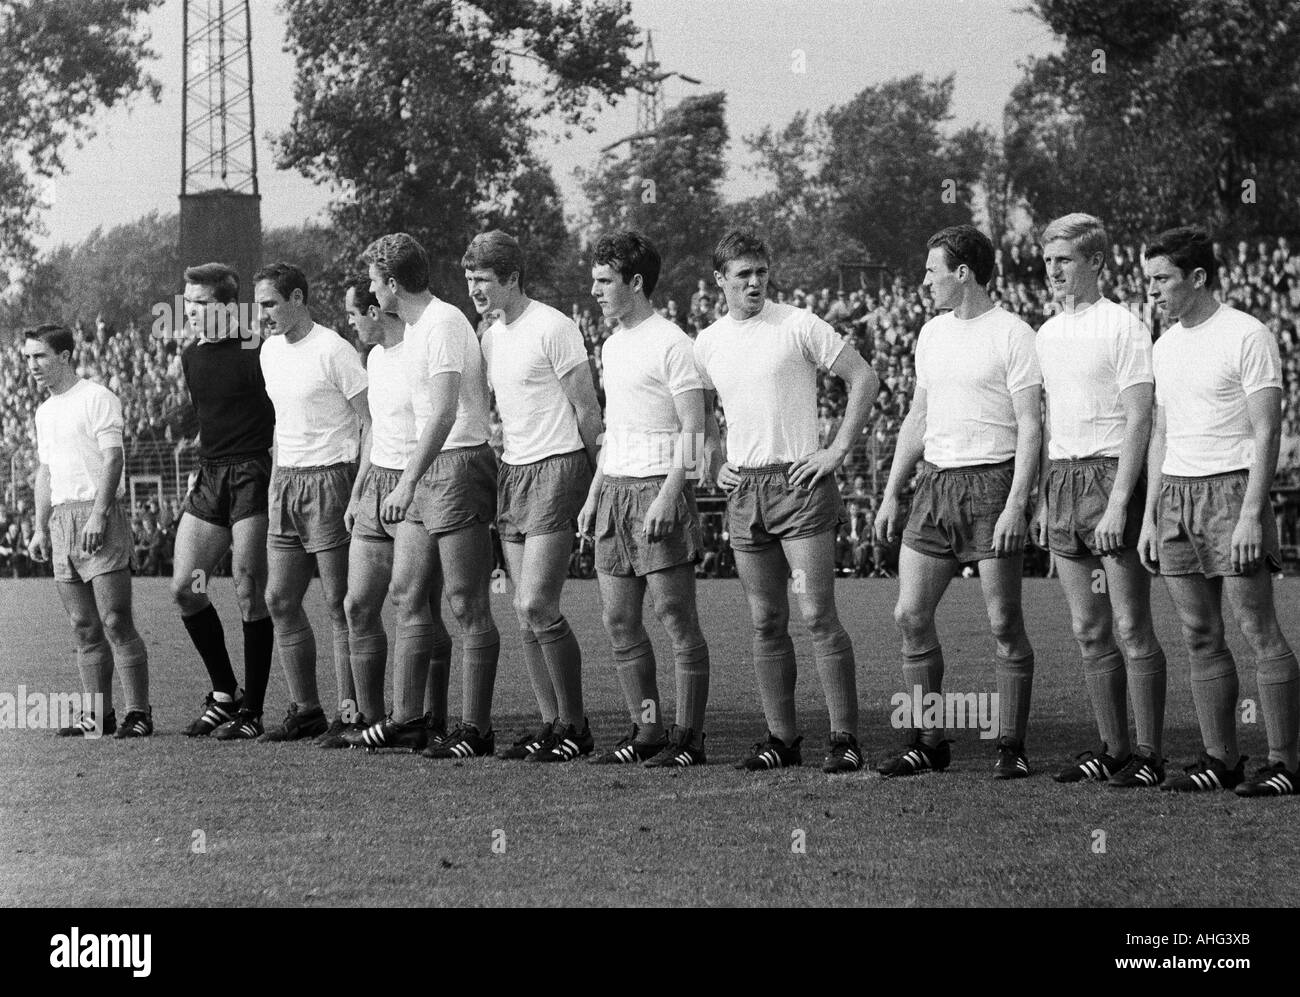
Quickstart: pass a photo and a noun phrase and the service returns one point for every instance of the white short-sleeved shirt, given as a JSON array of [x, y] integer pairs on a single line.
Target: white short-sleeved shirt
[[645, 369], [73, 429], [525, 362], [442, 341], [1203, 377], [970, 369], [764, 370], [1088, 358], [392, 420], [311, 383]]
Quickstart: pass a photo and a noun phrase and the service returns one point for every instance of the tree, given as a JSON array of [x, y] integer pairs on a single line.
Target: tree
[[794, 214], [892, 175], [421, 112], [63, 61], [1160, 112], [668, 187]]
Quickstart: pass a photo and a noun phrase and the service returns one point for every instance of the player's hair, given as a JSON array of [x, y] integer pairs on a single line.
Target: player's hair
[[399, 256], [632, 253], [1086, 232], [965, 244], [361, 293], [735, 244], [56, 337], [286, 277], [496, 251], [1189, 248], [223, 280]]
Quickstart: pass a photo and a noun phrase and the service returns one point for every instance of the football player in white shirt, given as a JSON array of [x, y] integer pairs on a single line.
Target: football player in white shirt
[[976, 419], [315, 380], [81, 525], [783, 504], [641, 507], [537, 366], [1095, 356], [1209, 526], [442, 504], [384, 456]]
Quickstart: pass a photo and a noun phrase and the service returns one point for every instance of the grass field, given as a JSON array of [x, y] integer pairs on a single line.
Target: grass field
[[115, 822]]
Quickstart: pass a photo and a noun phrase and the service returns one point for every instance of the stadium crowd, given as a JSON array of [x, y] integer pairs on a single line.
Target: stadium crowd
[[1263, 279]]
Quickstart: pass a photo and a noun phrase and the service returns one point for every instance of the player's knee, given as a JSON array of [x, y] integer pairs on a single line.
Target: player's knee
[[1135, 635], [87, 630], [682, 623], [1093, 636], [622, 627], [278, 604], [1262, 634], [538, 613], [1006, 623], [1203, 637], [469, 607], [119, 628], [358, 613], [911, 622], [186, 595], [769, 623]]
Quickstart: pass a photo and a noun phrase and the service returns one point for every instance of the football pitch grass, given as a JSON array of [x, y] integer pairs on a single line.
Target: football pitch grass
[[174, 821]]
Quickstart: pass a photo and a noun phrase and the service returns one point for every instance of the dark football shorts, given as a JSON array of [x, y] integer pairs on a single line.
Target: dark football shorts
[[368, 525], [1077, 494], [622, 547], [72, 565], [955, 510], [459, 488], [1196, 520], [307, 507], [765, 508], [543, 497], [227, 491]]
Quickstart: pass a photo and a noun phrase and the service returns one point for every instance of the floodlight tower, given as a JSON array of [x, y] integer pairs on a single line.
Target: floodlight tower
[[221, 213]]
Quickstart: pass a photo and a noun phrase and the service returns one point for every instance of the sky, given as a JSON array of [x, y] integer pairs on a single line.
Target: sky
[[749, 48]]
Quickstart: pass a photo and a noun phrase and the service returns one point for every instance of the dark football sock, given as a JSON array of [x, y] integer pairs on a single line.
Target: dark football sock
[[209, 639], [436, 686], [259, 643]]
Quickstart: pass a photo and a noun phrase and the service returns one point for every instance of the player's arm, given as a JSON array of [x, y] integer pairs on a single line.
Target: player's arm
[[661, 517], [1148, 545], [908, 450], [716, 467], [1264, 409], [1044, 465], [38, 548], [360, 403], [443, 389], [1011, 530], [363, 468], [580, 390], [1137, 400], [92, 534], [863, 388]]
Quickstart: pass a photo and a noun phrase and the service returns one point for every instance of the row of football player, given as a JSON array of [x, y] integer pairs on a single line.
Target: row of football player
[[1148, 458]]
